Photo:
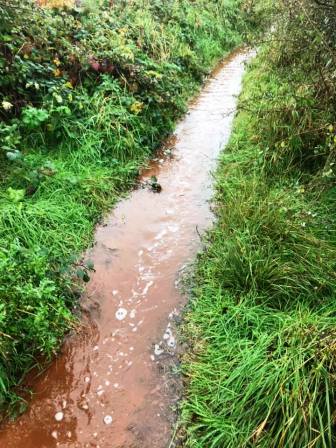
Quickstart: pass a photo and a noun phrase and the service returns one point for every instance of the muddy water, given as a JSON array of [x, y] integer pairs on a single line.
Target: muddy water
[[108, 388]]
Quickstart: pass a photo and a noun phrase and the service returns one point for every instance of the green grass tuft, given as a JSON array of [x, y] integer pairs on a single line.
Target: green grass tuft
[[262, 323]]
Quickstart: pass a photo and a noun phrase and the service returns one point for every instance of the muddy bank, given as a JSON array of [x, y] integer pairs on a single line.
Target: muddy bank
[[108, 388]]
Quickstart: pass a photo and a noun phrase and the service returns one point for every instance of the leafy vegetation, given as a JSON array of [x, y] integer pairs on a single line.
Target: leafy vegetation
[[86, 95], [263, 319]]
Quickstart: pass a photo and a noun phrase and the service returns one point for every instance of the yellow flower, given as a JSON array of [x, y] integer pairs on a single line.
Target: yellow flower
[[7, 105], [136, 107], [57, 72], [153, 74], [57, 62]]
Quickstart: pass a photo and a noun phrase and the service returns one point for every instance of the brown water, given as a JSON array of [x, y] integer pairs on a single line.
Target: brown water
[[114, 368]]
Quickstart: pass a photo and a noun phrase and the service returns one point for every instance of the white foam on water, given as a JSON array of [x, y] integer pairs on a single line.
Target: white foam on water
[[146, 288], [121, 313], [108, 419], [59, 416], [54, 434], [158, 350]]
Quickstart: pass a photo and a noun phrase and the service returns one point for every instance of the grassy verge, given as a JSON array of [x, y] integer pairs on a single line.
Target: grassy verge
[[262, 323], [86, 95]]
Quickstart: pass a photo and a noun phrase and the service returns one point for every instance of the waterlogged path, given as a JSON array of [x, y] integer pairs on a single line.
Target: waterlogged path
[[109, 387]]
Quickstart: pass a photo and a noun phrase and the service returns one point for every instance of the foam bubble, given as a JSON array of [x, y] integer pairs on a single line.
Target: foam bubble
[[158, 350], [121, 313], [59, 416], [108, 419], [54, 434]]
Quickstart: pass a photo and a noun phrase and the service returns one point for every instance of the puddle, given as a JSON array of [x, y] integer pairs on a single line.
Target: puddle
[[108, 388]]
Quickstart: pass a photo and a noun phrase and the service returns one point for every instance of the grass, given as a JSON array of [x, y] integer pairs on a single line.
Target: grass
[[81, 144], [262, 323]]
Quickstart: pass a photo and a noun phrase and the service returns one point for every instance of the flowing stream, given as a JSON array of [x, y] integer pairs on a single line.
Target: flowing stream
[[110, 386]]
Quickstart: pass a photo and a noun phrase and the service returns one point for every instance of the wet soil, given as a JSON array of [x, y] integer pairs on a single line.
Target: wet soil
[[109, 387]]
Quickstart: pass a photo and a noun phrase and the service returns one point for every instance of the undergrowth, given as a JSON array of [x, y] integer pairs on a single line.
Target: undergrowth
[[262, 324], [86, 95]]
